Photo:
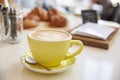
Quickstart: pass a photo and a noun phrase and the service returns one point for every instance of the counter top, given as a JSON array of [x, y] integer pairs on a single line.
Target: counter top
[[92, 64]]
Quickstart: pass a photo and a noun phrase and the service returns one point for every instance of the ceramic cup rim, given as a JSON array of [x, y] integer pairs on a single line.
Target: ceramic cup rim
[[69, 35]]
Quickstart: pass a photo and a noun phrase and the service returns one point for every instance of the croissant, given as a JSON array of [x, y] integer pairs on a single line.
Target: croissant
[[55, 19], [27, 23], [39, 14], [43, 14]]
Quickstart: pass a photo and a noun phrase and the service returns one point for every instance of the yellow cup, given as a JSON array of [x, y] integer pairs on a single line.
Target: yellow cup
[[50, 47]]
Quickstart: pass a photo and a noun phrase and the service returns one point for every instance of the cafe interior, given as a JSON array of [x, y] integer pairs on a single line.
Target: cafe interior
[[32, 48]]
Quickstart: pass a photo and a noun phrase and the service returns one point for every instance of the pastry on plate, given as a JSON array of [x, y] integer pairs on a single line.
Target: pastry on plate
[[56, 19]]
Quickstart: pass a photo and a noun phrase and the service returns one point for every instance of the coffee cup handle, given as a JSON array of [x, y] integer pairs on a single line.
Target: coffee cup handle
[[78, 51]]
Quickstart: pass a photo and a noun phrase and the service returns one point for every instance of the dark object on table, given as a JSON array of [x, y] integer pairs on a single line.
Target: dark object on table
[[13, 20], [109, 12], [89, 16], [116, 15], [6, 19], [1, 8]]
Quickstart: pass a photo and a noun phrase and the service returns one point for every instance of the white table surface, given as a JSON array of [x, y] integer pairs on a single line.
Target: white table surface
[[92, 64]]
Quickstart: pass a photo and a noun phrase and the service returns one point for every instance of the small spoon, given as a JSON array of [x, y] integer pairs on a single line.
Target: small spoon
[[31, 60]]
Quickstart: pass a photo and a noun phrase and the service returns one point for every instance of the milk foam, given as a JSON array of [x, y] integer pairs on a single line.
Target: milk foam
[[50, 35]]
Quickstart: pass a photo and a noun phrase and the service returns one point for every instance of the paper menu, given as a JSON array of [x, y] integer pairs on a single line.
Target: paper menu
[[94, 30]]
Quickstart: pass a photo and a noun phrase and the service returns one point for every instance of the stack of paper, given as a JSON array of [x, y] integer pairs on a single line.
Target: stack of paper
[[94, 30]]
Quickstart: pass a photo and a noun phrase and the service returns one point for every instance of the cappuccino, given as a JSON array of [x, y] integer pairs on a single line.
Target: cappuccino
[[49, 35], [55, 43]]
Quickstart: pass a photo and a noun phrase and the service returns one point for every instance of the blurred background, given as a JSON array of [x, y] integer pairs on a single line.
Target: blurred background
[[105, 8]]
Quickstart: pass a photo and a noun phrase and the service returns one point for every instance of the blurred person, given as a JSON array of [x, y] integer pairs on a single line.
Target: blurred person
[[107, 11]]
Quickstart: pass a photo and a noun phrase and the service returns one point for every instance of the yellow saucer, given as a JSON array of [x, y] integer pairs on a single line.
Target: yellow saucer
[[64, 65]]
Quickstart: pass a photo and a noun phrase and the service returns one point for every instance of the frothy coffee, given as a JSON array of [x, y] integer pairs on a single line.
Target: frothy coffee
[[50, 35]]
